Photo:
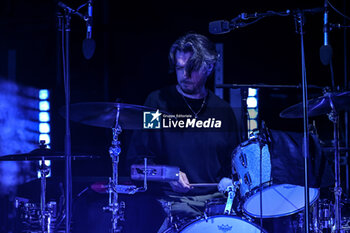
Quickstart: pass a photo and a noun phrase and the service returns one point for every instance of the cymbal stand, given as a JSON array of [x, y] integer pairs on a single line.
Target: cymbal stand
[[44, 214], [116, 208], [113, 205], [334, 118]]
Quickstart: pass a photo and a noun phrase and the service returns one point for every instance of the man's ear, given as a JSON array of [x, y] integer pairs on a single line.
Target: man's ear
[[209, 69]]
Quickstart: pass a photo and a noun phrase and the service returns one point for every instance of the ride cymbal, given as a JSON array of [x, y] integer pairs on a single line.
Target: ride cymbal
[[319, 106]]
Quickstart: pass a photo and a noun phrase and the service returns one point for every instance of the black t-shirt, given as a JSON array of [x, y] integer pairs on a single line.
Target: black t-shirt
[[202, 151]]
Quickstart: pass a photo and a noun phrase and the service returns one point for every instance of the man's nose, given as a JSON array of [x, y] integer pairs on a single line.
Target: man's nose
[[186, 75]]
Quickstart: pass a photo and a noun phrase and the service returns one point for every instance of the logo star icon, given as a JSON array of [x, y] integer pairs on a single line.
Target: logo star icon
[[156, 115]]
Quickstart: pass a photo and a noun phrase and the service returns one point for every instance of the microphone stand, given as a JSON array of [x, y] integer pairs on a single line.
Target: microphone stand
[[299, 20], [65, 30], [299, 23], [68, 159]]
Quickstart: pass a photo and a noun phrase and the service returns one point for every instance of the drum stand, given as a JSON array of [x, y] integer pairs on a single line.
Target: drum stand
[[334, 118], [117, 209], [44, 215]]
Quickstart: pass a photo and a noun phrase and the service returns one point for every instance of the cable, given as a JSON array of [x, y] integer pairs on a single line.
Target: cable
[[81, 7], [335, 9]]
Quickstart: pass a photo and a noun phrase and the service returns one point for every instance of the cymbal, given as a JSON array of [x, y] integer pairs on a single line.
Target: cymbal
[[45, 153], [103, 114], [337, 101]]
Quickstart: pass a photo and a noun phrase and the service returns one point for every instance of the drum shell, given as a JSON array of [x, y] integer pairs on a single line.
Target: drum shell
[[282, 170], [245, 162]]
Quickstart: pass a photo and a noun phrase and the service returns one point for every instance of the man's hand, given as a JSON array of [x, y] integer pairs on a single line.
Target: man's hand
[[182, 185], [224, 183]]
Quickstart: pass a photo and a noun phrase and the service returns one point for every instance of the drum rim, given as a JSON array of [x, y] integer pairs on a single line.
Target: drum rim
[[269, 185], [222, 215], [252, 192]]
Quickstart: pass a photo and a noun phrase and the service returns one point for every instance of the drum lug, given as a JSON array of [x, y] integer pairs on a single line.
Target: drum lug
[[243, 159], [248, 218], [247, 179]]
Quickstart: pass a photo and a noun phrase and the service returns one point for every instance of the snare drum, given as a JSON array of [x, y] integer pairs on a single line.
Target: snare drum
[[277, 199], [215, 206], [219, 224]]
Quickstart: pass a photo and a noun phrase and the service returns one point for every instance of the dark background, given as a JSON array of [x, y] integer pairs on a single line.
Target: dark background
[[130, 61], [132, 42]]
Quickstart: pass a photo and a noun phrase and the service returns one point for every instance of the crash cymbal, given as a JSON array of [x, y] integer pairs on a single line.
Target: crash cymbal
[[337, 101], [104, 114], [47, 154]]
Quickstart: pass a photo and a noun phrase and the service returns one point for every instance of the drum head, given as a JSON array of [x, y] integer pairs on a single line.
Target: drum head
[[221, 223], [279, 200]]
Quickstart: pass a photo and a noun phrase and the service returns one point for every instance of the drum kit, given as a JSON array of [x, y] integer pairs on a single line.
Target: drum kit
[[258, 197], [253, 197]]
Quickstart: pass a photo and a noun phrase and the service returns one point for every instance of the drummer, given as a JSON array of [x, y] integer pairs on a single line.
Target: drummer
[[199, 140]]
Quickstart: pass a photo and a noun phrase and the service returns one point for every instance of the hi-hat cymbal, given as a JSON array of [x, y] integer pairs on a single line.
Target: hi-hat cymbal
[[320, 105], [104, 114], [47, 154]]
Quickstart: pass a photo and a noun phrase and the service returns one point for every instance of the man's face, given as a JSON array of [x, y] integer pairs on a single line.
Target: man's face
[[189, 83]]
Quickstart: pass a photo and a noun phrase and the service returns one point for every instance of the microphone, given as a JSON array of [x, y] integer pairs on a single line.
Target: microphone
[[65, 7], [326, 50], [224, 26], [219, 27], [89, 44]]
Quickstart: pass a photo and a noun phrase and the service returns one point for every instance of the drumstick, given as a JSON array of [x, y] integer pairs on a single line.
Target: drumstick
[[204, 184]]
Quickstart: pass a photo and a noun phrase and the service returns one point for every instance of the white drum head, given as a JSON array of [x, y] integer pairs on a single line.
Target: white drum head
[[279, 200], [221, 223]]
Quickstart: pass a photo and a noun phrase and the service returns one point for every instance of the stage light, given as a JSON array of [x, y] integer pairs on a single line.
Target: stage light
[[252, 102], [43, 94], [44, 117], [44, 125], [47, 162], [44, 105], [44, 128], [253, 124], [252, 92], [253, 111]]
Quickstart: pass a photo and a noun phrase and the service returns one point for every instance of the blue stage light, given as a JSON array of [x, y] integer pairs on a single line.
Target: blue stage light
[[43, 94], [44, 117], [44, 105], [45, 137], [44, 128]]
